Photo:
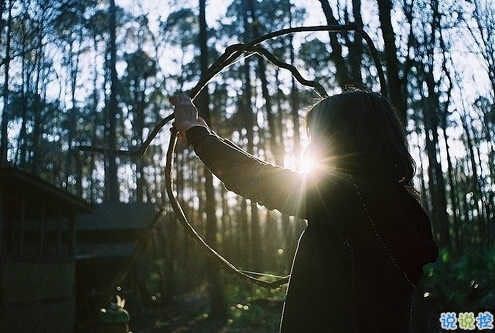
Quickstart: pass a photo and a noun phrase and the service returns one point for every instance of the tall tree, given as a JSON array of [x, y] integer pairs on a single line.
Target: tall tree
[[6, 68], [69, 29], [218, 306], [483, 33], [424, 44], [256, 249], [135, 95], [336, 56], [111, 177], [392, 63]]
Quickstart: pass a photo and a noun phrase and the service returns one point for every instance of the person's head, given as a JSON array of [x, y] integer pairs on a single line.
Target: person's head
[[360, 133]]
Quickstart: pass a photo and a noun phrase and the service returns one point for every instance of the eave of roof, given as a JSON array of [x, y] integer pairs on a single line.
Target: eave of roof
[[11, 177]]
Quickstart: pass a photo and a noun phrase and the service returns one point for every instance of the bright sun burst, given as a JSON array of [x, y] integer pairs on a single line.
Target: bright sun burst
[[307, 163]]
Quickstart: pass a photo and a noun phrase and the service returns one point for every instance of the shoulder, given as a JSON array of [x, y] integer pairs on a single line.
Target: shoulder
[[339, 187], [332, 193]]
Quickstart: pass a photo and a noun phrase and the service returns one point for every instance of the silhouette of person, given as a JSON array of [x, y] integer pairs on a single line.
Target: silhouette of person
[[367, 237]]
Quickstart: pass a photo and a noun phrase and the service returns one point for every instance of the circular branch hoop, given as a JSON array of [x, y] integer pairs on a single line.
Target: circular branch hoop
[[231, 54]]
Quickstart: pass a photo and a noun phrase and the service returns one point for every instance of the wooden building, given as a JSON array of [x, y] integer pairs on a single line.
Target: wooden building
[[106, 240], [37, 254]]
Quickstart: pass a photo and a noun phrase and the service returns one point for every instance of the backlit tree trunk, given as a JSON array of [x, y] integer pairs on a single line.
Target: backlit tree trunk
[[218, 307]]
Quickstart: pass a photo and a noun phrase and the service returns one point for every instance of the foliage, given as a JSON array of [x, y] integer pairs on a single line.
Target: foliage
[[470, 279], [254, 307]]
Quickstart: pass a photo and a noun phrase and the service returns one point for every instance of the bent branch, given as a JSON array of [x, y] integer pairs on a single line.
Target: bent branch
[[231, 54]]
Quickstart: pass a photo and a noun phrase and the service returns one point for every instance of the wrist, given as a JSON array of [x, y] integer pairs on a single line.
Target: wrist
[[196, 134], [183, 126]]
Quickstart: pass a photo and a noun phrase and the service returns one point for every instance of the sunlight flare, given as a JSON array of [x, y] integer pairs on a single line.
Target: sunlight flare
[[308, 163]]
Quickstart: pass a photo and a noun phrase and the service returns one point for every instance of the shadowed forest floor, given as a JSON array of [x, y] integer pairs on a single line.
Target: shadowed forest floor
[[189, 313]]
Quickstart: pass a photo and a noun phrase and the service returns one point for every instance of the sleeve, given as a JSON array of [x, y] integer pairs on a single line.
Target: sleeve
[[271, 186]]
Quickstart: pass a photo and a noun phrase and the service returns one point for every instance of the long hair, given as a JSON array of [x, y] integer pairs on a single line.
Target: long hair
[[363, 135]]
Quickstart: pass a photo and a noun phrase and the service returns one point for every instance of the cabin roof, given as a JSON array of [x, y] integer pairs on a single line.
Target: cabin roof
[[16, 184], [117, 216]]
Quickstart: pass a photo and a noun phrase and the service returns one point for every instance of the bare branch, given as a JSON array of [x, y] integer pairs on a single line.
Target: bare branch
[[274, 60], [231, 54], [212, 254]]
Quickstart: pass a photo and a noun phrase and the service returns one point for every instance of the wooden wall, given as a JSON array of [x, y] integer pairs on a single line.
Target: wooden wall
[[37, 297]]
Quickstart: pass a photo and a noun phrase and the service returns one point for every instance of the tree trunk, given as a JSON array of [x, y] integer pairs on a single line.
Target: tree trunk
[[430, 108], [5, 91], [38, 93], [140, 180], [452, 188], [37, 110], [111, 181], [436, 182], [356, 47], [476, 187], [243, 241], [21, 152], [392, 63], [218, 306], [342, 74], [72, 121]]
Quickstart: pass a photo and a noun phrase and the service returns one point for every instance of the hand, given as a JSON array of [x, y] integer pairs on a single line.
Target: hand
[[186, 114]]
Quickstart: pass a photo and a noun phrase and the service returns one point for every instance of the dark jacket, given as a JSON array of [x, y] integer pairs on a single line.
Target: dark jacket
[[361, 254]]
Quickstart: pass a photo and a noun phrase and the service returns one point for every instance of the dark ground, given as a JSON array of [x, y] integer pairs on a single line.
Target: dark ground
[[189, 313]]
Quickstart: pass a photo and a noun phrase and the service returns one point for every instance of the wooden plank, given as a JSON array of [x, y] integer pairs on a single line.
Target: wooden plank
[[56, 316], [22, 217], [25, 282], [42, 227]]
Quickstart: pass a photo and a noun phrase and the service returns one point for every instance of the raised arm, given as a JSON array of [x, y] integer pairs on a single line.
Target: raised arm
[[272, 186], [266, 184]]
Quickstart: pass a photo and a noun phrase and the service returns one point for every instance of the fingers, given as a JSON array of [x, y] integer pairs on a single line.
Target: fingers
[[180, 99], [185, 113], [181, 135]]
